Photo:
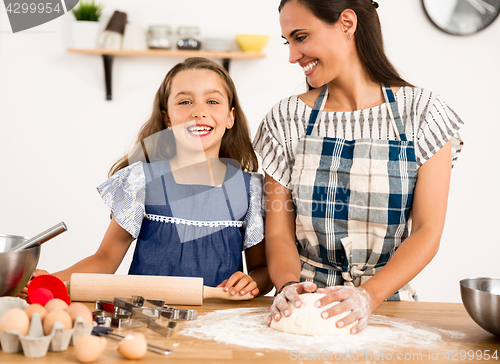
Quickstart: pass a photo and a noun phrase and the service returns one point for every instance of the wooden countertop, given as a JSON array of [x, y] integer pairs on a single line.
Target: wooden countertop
[[447, 316]]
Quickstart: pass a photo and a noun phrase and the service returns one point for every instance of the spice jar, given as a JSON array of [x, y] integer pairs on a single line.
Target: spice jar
[[160, 36], [188, 38]]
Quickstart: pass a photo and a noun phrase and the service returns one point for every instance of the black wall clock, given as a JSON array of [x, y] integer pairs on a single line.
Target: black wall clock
[[461, 17]]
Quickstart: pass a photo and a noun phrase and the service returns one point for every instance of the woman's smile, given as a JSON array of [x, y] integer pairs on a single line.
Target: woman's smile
[[309, 67]]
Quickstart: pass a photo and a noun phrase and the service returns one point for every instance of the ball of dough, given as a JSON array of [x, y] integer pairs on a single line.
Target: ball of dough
[[307, 319]]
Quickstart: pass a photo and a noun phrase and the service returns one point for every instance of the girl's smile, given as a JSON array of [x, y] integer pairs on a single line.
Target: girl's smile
[[200, 130]]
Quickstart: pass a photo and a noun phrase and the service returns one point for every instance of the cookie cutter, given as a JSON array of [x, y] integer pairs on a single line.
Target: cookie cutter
[[109, 307], [162, 329], [143, 307], [108, 319], [108, 315], [159, 317], [174, 313]]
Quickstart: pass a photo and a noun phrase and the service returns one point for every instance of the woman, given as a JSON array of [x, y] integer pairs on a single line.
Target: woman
[[348, 163]]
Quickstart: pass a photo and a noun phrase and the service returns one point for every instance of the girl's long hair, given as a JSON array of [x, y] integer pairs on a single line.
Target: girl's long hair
[[368, 35], [156, 142]]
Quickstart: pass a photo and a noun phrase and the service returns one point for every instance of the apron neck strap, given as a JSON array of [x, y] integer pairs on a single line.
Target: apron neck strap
[[318, 106], [392, 109]]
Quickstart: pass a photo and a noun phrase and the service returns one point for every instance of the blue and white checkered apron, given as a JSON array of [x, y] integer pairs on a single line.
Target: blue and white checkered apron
[[353, 200]]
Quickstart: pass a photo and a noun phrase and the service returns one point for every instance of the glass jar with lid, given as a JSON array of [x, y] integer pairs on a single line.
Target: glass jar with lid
[[160, 37], [188, 38]]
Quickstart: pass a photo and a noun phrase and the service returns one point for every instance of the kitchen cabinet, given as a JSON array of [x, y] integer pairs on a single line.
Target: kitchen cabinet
[[186, 350], [108, 54]]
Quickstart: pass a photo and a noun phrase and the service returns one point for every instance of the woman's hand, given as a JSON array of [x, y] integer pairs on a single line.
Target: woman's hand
[[353, 299], [240, 283], [24, 293], [289, 294]]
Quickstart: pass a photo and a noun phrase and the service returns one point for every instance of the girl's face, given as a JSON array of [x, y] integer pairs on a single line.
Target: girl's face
[[320, 49], [198, 112]]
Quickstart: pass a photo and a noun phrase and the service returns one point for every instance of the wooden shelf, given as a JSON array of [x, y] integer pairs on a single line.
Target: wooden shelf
[[108, 54], [168, 53]]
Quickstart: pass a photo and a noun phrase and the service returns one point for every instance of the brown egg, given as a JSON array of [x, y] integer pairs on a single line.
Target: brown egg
[[56, 315], [76, 309], [15, 319], [55, 303], [36, 307], [88, 348], [133, 346]]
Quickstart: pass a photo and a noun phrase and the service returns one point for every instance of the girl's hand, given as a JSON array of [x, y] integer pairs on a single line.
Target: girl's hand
[[24, 293], [289, 294], [240, 282], [353, 299]]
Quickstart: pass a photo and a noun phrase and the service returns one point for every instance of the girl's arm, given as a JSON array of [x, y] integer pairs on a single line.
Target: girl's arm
[[257, 281], [107, 258], [429, 210]]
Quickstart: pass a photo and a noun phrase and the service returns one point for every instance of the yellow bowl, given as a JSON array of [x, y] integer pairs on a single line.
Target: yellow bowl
[[254, 43]]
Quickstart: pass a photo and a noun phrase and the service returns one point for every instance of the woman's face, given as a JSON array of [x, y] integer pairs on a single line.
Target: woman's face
[[320, 49], [198, 111]]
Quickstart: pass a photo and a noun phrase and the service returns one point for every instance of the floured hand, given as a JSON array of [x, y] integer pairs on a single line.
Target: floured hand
[[289, 295], [353, 299]]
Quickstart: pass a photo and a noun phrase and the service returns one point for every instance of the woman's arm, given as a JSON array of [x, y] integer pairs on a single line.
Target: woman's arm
[[107, 258], [281, 250], [283, 263], [282, 256], [257, 267], [430, 199], [429, 210]]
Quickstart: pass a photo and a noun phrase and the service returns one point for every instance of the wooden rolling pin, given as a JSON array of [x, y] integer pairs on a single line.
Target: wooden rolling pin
[[88, 287]]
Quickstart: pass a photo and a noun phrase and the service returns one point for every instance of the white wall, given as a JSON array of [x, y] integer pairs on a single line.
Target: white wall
[[59, 136]]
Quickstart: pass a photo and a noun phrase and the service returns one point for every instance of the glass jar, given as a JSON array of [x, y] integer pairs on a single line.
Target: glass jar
[[188, 38], [160, 37]]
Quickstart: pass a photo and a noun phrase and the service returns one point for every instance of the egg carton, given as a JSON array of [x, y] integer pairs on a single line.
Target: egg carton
[[36, 344], [6, 303]]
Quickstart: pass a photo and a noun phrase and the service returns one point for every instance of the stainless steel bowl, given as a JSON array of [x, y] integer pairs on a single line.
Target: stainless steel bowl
[[16, 268], [481, 298]]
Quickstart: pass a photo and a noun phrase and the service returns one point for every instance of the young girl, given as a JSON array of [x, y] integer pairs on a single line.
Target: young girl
[[187, 192]]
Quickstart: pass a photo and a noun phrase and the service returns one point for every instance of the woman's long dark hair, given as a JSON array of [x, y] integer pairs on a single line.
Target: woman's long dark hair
[[368, 35], [235, 145]]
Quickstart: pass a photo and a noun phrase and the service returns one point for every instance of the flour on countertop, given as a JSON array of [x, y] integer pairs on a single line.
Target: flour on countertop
[[248, 327]]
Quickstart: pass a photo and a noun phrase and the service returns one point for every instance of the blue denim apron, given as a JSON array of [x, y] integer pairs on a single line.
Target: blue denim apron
[[191, 230], [353, 201]]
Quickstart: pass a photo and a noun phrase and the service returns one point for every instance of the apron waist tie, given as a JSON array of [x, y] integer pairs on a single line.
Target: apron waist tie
[[355, 276]]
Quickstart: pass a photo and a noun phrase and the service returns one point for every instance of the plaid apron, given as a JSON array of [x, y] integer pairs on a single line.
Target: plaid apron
[[353, 202]]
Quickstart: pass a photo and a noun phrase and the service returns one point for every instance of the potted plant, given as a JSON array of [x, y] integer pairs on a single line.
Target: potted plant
[[86, 26]]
